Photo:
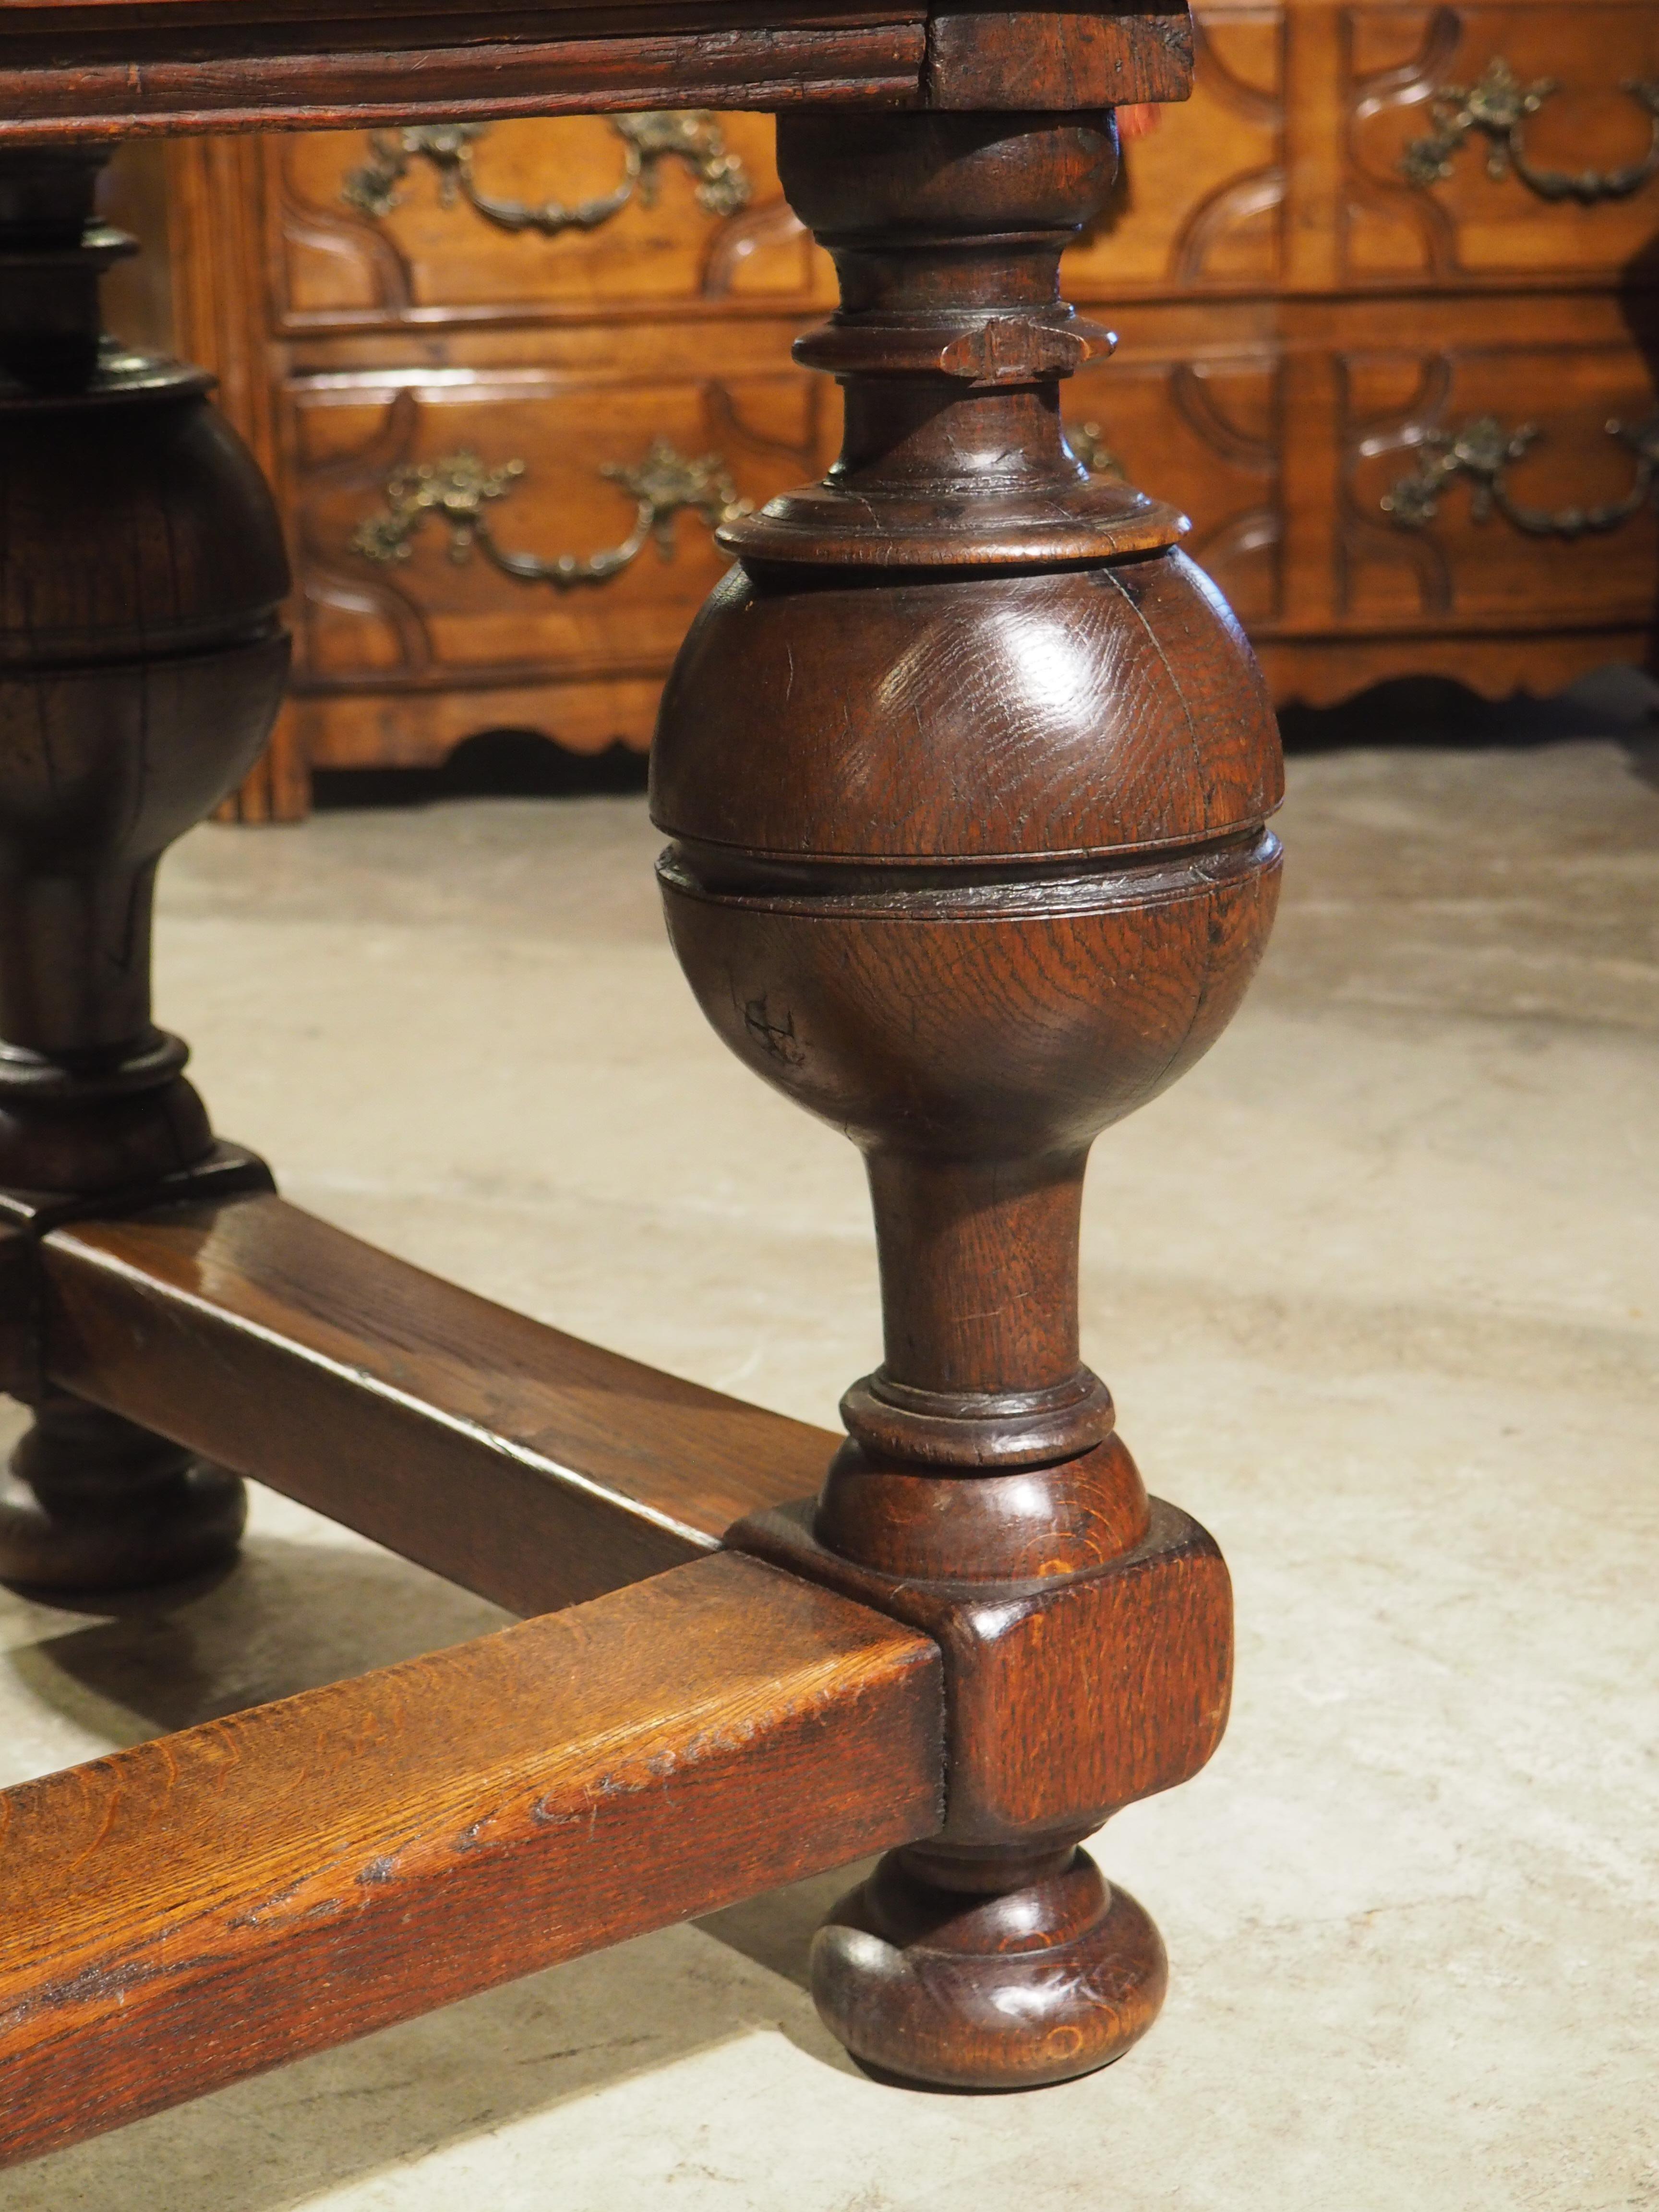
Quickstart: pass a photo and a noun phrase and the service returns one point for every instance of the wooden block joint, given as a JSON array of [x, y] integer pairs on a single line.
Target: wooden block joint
[[225, 1173], [1067, 1698], [1076, 58]]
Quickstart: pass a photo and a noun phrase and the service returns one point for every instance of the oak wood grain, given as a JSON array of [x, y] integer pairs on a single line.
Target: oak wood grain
[[252, 84], [967, 772], [182, 1915], [121, 67], [1081, 59], [521, 1463]]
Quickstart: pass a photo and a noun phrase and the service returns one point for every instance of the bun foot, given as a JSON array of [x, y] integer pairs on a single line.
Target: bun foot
[[113, 1508], [195, 1527], [937, 1973]]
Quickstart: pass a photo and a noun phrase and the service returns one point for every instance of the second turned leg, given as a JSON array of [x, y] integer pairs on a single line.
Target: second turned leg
[[141, 663]]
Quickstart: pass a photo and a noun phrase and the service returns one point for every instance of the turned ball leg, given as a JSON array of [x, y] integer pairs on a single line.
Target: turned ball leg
[[141, 664], [966, 771]]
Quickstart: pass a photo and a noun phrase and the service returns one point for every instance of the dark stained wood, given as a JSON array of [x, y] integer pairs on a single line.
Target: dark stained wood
[[968, 774], [420, 79], [1035, 1977], [519, 1462], [977, 56], [537, 1470], [110, 1506], [998, 1957], [19, 1369], [187, 1914], [1014, 878], [141, 663], [121, 67], [1075, 1689], [99, 1503], [139, 671]]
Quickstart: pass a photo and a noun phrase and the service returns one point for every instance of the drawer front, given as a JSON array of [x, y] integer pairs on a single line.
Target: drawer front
[[512, 526], [1488, 483], [1500, 142], [545, 219], [1455, 485], [1344, 481], [1198, 424], [1485, 144], [583, 214], [1199, 202]]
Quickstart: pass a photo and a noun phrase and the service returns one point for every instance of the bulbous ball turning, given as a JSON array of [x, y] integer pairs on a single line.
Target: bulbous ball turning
[[142, 662], [1075, 713], [968, 776], [976, 864]]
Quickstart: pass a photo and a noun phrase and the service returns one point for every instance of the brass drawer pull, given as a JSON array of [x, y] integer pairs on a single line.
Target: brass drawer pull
[[1499, 108], [692, 137], [1483, 450], [459, 487], [1088, 442]]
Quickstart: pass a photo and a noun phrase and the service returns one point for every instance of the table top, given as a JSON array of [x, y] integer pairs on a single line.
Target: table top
[[88, 69]]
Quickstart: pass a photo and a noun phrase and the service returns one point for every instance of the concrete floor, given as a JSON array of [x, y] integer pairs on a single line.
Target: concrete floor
[[1377, 1288]]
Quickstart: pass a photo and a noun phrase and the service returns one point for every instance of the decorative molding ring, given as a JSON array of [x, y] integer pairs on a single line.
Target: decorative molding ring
[[692, 135], [1499, 108], [458, 487], [1483, 451]]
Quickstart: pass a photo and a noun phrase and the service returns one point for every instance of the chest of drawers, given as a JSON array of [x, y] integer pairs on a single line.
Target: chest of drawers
[[1385, 293]]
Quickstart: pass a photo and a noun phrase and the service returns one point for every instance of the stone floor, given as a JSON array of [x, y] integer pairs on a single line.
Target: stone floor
[[1377, 1288]]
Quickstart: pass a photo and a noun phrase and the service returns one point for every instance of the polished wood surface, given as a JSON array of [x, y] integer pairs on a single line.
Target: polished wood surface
[[182, 1915], [967, 772], [525, 1465], [133, 66], [1081, 1682], [1014, 881], [77, 70], [142, 659]]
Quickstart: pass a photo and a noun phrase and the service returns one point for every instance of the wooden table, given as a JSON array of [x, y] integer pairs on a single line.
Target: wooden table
[[965, 773]]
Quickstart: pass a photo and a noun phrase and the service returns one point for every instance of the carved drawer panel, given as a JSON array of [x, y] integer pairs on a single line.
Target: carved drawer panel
[[585, 214], [1199, 202], [1501, 141], [1203, 427], [1383, 285], [1497, 483], [510, 527]]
